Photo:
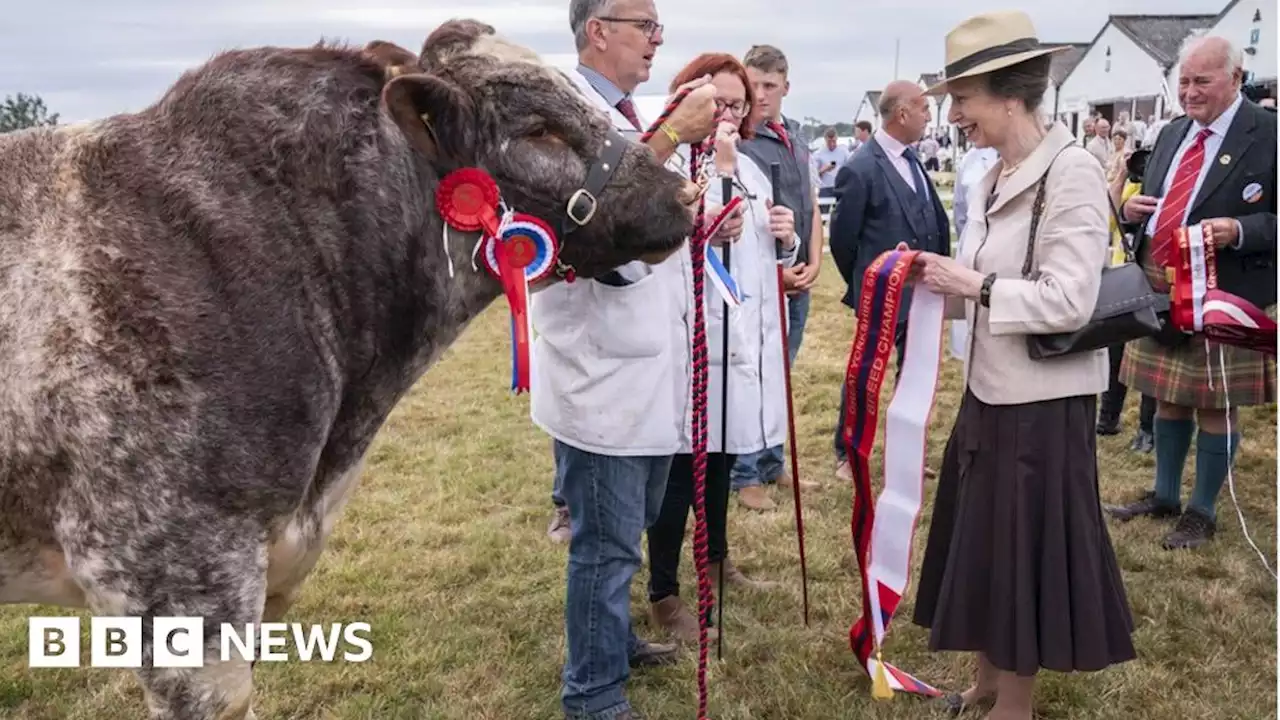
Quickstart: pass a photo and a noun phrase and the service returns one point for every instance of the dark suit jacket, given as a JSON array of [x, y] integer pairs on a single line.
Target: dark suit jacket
[[871, 216], [1250, 150]]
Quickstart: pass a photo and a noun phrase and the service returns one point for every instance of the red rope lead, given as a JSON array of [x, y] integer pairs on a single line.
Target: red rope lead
[[699, 430], [697, 251]]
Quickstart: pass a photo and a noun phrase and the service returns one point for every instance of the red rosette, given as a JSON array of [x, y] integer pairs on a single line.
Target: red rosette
[[467, 199]]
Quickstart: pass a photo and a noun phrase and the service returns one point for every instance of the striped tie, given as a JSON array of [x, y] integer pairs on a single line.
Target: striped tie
[[1177, 200], [628, 110]]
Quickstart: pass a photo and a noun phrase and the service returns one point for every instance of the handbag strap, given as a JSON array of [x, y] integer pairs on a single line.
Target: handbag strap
[[1125, 239], [1037, 209]]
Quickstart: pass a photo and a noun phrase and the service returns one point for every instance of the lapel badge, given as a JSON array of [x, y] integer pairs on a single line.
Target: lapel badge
[[1225, 159], [1252, 193]]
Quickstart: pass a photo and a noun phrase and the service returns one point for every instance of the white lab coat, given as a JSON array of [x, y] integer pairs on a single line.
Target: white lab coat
[[757, 401], [610, 365]]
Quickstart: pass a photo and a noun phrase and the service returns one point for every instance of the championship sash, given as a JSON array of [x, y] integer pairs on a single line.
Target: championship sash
[[1198, 306], [882, 535]]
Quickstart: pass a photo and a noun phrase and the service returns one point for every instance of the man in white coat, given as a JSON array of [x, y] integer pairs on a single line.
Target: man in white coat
[[611, 380]]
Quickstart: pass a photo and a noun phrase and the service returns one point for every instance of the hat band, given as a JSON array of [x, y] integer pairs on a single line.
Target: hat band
[[996, 52]]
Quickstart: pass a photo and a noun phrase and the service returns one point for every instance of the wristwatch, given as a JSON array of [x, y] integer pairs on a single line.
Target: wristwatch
[[984, 295]]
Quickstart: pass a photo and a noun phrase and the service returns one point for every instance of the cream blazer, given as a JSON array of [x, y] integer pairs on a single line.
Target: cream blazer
[[1071, 250]]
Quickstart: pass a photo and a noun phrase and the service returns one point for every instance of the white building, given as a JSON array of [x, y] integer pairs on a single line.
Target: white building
[[869, 109], [1251, 26], [1131, 66]]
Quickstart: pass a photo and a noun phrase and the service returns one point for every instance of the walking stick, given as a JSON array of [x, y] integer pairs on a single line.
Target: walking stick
[[775, 176], [726, 184]]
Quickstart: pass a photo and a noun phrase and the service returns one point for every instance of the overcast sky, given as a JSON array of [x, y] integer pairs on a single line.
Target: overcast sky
[[90, 58]]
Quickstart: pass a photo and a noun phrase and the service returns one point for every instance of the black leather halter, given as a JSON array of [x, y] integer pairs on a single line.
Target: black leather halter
[[583, 203]]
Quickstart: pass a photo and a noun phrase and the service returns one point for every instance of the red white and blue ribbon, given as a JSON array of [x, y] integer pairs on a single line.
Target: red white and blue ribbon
[[883, 534], [1198, 306], [524, 252]]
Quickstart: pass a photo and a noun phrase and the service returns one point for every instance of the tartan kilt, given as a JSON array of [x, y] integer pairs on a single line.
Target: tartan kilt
[[1181, 376]]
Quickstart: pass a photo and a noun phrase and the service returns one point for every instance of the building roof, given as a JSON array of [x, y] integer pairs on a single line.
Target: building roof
[[1062, 63], [1161, 36], [930, 79], [873, 97]]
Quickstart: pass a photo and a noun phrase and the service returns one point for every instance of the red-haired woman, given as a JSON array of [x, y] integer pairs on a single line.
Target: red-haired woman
[[762, 236]]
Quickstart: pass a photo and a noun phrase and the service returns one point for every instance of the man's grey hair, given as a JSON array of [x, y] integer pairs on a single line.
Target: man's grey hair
[[1232, 54], [580, 11]]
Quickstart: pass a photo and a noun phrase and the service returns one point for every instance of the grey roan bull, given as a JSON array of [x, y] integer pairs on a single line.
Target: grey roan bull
[[209, 308]]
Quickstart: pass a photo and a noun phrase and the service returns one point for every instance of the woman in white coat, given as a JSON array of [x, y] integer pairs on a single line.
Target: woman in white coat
[[757, 417]]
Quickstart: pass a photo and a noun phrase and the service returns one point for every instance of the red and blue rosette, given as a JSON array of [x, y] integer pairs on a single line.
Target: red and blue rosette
[[525, 251]]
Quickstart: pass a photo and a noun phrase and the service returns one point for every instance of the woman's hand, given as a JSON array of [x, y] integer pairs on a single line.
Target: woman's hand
[[946, 276], [726, 144], [782, 223]]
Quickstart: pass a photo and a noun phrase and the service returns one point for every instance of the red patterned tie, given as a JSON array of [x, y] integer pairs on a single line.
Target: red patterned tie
[[628, 109], [780, 131], [1177, 199]]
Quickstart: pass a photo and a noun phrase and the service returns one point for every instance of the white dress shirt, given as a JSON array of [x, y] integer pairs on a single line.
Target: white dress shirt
[[894, 150], [1212, 145]]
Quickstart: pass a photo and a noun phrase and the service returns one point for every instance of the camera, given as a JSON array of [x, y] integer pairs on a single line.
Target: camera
[[1137, 164]]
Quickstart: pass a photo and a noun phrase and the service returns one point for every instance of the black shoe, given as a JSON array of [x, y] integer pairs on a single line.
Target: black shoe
[[1108, 425], [1193, 530], [1143, 442], [1148, 506], [649, 654]]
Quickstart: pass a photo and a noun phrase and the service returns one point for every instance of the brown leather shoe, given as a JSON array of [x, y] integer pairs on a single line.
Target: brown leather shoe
[[784, 481], [753, 497], [681, 624], [844, 471], [734, 577], [558, 530]]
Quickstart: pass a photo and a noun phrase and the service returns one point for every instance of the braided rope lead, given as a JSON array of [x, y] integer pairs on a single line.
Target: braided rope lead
[[698, 421]]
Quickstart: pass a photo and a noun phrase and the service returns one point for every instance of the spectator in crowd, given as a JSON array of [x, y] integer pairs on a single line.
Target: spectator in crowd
[[861, 134], [884, 197], [1101, 145], [828, 159], [1018, 565], [1209, 167], [768, 69], [973, 168]]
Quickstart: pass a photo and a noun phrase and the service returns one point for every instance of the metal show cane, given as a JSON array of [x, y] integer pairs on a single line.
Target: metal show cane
[[775, 177], [726, 185]]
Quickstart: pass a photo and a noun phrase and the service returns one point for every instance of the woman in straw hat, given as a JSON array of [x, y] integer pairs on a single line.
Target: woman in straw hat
[[1019, 566]]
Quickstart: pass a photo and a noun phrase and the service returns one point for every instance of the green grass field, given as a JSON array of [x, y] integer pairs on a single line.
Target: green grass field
[[443, 550]]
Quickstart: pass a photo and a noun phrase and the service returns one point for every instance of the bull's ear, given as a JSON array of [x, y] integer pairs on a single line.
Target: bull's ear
[[435, 114], [452, 37], [394, 59]]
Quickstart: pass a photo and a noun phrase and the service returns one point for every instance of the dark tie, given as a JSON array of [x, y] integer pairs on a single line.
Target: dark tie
[[917, 169], [780, 131], [628, 109]]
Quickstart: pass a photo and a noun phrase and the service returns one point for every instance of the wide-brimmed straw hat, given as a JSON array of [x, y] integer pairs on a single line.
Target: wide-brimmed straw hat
[[988, 42]]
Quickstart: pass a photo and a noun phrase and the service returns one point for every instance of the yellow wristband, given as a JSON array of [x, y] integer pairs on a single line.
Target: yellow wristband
[[670, 133]]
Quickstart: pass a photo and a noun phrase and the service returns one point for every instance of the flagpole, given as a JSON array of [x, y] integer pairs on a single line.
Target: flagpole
[[897, 50]]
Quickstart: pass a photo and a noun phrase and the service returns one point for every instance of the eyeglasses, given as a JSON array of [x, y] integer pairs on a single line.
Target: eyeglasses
[[646, 26], [739, 108]]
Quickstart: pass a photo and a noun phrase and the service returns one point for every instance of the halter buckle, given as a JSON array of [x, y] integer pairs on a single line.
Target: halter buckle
[[573, 200]]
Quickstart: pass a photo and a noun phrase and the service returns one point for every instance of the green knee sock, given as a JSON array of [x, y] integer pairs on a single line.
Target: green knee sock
[[1172, 441], [1213, 457]]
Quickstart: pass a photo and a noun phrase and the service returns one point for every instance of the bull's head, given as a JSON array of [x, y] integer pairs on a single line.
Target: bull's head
[[474, 99]]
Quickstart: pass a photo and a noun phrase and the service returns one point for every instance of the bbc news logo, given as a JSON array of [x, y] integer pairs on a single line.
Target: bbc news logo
[[178, 642]]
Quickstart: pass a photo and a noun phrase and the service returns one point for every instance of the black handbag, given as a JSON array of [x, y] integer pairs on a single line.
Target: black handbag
[[1127, 307]]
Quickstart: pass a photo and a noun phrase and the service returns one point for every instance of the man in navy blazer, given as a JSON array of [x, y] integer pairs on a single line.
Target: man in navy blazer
[[885, 197]]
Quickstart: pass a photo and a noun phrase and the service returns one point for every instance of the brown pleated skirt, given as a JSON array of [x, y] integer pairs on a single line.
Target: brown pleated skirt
[[1019, 564]]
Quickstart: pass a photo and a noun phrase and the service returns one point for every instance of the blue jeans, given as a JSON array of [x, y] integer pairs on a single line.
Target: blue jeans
[[766, 466], [611, 502]]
